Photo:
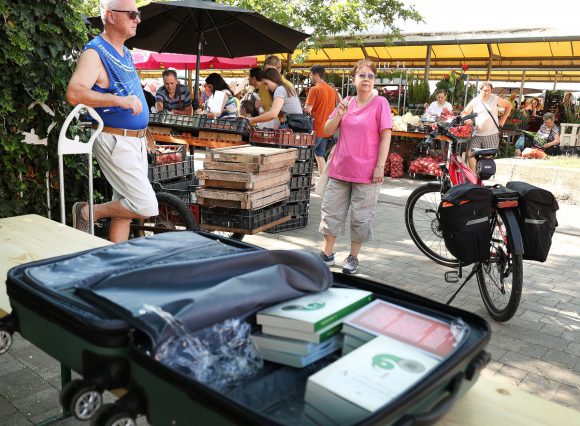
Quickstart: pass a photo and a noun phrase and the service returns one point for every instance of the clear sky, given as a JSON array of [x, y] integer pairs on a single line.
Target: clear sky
[[439, 15]]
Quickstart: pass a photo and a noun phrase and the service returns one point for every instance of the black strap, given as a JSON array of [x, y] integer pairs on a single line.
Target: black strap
[[490, 114]]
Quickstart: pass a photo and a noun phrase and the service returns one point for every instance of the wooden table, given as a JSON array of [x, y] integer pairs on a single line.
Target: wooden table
[[193, 141], [31, 237], [28, 238]]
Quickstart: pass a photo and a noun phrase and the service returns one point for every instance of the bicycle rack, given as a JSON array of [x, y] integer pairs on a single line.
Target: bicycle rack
[[68, 146]]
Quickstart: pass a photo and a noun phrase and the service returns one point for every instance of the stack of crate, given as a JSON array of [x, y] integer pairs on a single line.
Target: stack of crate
[[244, 189], [300, 184]]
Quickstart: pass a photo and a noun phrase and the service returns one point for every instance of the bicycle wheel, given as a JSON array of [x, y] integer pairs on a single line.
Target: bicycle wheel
[[174, 215], [422, 223], [500, 278]]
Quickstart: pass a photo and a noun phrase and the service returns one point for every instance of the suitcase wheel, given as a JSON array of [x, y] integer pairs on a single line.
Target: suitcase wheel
[[82, 398], [112, 415], [5, 341]]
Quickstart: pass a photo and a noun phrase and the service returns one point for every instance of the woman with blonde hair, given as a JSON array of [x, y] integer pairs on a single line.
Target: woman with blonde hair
[[357, 165]]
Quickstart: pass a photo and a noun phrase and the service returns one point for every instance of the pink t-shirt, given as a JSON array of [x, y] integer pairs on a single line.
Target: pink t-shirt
[[356, 152]]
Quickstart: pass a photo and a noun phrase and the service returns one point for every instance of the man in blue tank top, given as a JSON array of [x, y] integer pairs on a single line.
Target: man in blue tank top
[[106, 80]]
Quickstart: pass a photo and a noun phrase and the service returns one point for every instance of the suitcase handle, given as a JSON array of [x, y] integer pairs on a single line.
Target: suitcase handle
[[439, 410]]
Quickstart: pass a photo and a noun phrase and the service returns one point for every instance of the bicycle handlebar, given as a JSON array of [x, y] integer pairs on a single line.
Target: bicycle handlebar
[[443, 128]]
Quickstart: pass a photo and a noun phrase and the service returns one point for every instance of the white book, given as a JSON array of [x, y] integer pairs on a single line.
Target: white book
[[379, 318], [355, 342], [367, 379], [300, 361], [292, 346], [346, 349], [314, 337], [315, 311]]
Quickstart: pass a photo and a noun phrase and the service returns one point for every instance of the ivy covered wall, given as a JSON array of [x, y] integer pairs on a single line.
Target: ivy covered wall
[[39, 44]]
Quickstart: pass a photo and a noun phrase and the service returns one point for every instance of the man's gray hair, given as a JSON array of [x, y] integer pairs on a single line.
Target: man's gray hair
[[107, 5], [549, 116]]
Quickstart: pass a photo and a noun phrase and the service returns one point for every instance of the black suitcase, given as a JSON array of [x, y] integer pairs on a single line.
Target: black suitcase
[[537, 219], [464, 214], [275, 394]]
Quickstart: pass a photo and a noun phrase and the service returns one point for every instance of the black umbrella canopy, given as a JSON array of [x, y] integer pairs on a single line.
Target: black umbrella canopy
[[179, 26]]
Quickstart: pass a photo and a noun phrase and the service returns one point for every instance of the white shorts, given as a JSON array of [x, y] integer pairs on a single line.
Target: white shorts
[[361, 198], [123, 160]]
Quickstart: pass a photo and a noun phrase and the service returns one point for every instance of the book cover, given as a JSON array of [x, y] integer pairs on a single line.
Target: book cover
[[368, 377], [314, 337], [300, 361], [314, 311], [292, 346], [382, 318]]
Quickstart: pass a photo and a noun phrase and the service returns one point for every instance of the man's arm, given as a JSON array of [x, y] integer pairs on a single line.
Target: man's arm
[[187, 109], [507, 105], [310, 100], [89, 68]]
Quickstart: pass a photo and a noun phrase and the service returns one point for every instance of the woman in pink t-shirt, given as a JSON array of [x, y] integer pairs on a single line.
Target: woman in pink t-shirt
[[357, 165]]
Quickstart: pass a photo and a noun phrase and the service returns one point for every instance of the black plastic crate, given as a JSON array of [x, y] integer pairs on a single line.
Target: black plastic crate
[[238, 126], [294, 223], [167, 154], [171, 171], [243, 219], [301, 181], [299, 195], [302, 167], [305, 153], [187, 123], [298, 209], [183, 188]]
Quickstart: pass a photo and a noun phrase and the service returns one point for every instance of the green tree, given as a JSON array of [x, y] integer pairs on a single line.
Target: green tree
[[323, 18], [39, 43]]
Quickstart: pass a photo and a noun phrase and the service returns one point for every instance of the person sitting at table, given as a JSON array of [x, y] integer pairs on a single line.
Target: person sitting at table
[[222, 103], [173, 97], [548, 132], [285, 98], [437, 106]]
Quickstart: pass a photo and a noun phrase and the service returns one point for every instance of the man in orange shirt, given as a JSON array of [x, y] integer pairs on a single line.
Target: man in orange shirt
[[321, 101]]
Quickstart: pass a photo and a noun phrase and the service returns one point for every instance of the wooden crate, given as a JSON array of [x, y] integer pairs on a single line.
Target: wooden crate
[[252, 155], [247, 167], [241, 200], [217, 136], [243, 180]]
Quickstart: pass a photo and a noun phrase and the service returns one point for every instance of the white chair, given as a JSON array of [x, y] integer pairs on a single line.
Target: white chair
[[569, 134], [68, 146]]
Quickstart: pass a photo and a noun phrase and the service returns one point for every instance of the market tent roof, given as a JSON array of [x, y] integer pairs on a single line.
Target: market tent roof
[[144, 59], [544, 53]]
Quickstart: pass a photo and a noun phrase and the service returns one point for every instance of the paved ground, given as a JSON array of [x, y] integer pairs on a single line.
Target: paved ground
[[538, 350]]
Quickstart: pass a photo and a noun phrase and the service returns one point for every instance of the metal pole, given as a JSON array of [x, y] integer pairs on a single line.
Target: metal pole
[[427, 63], [406, 89], [466, 90], [342, 86], [555, 81], [399, 99], [521, 97], [197, 67]]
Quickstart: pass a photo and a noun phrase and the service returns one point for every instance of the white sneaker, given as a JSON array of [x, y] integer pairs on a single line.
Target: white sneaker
[[350, 265]]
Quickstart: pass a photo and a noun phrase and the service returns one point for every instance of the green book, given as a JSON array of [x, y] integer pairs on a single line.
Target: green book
[[314, 336], [291, 346], [316, 311]]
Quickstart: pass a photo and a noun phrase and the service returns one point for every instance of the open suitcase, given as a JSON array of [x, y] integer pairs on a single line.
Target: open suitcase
[[189, 283]]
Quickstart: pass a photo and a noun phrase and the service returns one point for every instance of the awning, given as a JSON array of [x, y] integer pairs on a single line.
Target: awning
[[146, 60], [545, 54]]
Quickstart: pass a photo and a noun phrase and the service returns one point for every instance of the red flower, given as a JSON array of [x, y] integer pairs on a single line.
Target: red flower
[[464, 67], [445, 76]]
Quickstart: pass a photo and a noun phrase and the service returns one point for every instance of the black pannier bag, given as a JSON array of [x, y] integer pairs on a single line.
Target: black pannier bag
[[485, 168], [464, 215], [300, 123], [537, 219]]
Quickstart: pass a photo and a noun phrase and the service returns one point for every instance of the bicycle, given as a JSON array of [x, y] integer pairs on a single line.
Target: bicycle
[[499, 277]]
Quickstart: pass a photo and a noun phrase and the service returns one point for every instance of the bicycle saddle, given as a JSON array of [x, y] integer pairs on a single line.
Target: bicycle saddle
[[478, 152]]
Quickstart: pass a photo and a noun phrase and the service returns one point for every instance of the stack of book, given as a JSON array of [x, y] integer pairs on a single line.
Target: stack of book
[[301, 331], [387, 350]]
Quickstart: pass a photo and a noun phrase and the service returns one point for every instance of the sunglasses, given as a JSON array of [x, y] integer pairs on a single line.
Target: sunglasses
[[133, 14], [370, 76]]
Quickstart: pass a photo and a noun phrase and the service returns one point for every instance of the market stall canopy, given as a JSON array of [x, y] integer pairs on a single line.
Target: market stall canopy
[[146, 60], [545, 54]]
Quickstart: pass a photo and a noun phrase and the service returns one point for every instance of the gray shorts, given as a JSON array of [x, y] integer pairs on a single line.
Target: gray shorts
[[123, 160], [361, 198], [490, 141]]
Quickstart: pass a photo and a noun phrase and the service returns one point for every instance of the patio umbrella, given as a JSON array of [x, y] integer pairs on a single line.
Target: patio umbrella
[[204, 27]]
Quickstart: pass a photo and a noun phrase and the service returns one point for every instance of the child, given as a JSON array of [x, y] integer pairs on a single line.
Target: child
[[248, 109]]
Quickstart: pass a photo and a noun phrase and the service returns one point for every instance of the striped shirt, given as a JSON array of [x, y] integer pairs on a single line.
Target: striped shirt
[[181, 100]]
